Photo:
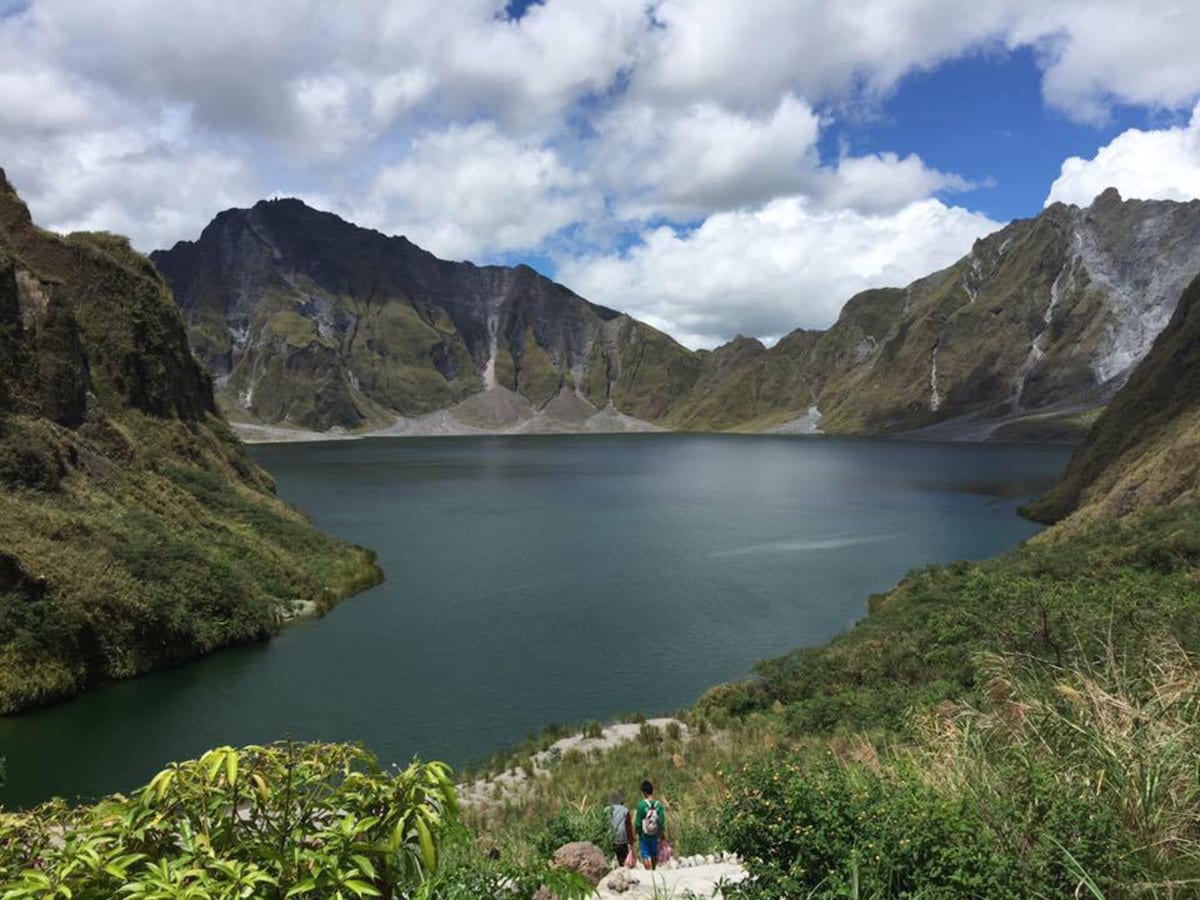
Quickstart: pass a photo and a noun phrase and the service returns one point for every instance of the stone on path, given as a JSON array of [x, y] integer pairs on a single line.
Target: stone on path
[[583, 857]]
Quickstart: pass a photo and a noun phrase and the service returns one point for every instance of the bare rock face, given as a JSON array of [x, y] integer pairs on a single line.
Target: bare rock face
[[583, 857], [1144, 451], [309, 320]]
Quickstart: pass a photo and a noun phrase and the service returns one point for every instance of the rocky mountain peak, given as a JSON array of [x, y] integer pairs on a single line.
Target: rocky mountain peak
[[309, 320]]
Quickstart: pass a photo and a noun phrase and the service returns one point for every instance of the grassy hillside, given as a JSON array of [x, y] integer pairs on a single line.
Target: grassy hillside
[[137, 532], [1017, 727]]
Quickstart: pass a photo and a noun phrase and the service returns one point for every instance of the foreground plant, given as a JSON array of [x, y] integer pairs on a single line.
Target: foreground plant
[[287, 820]]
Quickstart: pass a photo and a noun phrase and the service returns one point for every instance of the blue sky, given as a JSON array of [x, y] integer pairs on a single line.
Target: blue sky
[[710, 167], [983, 117]]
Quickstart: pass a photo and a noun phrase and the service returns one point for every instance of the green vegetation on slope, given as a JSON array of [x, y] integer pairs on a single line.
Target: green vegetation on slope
[[1059, 598], [137, 532], [1017, 727], [162, 543]]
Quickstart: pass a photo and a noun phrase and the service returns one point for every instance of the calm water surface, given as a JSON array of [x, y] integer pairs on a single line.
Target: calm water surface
[[535, 580]]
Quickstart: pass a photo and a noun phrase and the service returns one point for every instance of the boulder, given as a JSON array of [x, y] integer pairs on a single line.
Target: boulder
[[583, 857]]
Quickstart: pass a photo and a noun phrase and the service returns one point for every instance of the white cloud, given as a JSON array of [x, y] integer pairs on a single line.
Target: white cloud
[[479, 136], [705, 158], [767, 271], [529, 71], [1152, 165], [117, 180], [469, 190], [885, 182], [1098, 52]]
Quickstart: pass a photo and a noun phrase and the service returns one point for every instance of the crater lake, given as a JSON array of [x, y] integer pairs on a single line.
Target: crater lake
[[533, 580]]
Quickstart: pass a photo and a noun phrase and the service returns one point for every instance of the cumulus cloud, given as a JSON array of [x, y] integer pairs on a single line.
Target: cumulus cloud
[[1097, 52], [1093, 52], [469, 190], [885, 182], [481, 135], [705, 158], [768, 271], [1161, 164]]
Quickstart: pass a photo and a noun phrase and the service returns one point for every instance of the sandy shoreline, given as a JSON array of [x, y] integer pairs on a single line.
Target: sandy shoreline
[[497, 411]]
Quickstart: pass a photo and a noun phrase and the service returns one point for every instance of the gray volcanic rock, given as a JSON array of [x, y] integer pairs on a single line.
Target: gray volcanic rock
[[308, 320], [1144, 451]]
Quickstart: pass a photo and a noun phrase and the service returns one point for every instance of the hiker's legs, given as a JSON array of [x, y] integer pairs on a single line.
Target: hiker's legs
[[649, 852]]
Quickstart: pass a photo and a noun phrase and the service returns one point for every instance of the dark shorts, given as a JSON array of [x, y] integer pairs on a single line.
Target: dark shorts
[[621, 851], [649, 847]]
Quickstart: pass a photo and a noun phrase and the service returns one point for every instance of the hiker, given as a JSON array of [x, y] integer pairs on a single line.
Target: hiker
[[622, 827], [651, 825]]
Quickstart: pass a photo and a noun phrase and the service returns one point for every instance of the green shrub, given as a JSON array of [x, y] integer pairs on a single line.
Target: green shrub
[[468, 873], [650, 735], [28, 461], [816, 831], [301, 820], [570, 824]]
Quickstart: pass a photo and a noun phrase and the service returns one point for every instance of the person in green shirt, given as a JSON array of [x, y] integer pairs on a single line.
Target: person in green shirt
[[650, 822]]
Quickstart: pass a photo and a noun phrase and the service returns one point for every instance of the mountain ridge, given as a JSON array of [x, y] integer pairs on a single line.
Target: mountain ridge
[[309, 321]]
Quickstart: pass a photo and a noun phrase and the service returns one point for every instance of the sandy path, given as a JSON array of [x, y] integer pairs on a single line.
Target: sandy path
[[700, 880]]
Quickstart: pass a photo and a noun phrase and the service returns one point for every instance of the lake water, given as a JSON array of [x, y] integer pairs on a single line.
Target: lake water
[[533, 580]]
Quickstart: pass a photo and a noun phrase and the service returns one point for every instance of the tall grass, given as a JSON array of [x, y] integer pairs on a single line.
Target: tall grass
[[566, 801], [1126, 735]]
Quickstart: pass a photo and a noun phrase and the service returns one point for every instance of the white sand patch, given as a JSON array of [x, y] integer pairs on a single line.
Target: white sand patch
[[514, 781], [280, 434], [697, 877]]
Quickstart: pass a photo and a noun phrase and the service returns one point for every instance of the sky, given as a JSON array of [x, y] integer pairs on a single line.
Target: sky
[[712, 168]]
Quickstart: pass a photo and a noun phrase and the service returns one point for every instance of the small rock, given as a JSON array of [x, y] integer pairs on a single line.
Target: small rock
[[620, 881], [583, 857]]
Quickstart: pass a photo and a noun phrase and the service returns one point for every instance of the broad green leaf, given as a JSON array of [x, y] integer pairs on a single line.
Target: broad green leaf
[[364, 865], [427, 850], [302, 887]]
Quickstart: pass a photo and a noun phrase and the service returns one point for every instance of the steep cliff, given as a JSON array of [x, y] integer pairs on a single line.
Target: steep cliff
[[1048, 314], [308, 320], [136, 532], [1144, 451]]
